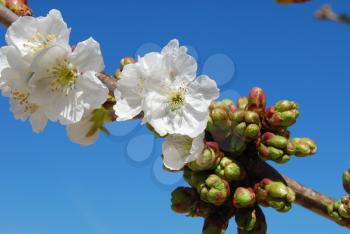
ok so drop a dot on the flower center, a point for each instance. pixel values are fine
(39, 42)
(176, 99)
(22, 99)
(64, 76)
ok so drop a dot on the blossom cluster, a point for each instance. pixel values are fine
(45, 78)
(48, 79)
(164, 89)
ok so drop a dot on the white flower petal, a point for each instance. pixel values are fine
(179, 150)
(77, 132)
(129, 92)
(38, 121)
(72, 111)
(30, 35)
(94, 92)
(87, 56)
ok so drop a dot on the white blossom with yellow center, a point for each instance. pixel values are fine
(30, 34)
(65, 83)
(172, 100)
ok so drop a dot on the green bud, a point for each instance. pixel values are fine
(275, 147)
(282, 115)
(304, 147)
(346, 181)
(244, 197)
(246, 125)
(257, 100)
(242, 103)
(340, 210)
(277, 190)
(274, 194)
(214, 190)
(229, 170)
(207, 161)
(276, 141)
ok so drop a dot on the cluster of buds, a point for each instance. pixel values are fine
(340, 210)
(279, 149)
(19, 7)
(274, 194)
(239, 135)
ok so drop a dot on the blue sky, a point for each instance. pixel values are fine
(51, 186)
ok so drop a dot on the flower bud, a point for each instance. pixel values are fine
(346, 181)
(275, 147)
(282, 115)
(219, 124)
(244, 197)
(246, 125)
(304, 147)
(214, 190)
(126, 60)
(183, 200)
(209, 159)
(229, 170)
(242, 103)
(340, 210)
(274, 194)
(256, 100)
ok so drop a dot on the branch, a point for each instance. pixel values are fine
(7, 17)
(305, 197)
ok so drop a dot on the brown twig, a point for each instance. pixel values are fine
(307, 198)
(7, 17)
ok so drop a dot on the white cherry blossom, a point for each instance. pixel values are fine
(164, 87)
(65, 83)
(179, 150)
(30, 34)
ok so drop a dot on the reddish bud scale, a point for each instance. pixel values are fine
(19, 7)
(256, 100)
